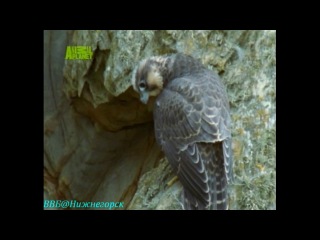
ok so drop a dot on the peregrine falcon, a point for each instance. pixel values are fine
(192, 125)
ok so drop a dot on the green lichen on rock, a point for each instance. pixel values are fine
(161, 196)
(251, 84)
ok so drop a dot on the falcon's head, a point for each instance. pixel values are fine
(148, 79)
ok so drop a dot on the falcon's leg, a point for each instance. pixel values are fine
(172, 181)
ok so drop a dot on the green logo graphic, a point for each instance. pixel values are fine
(78, 53)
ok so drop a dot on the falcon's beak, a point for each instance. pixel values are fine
(144, 97)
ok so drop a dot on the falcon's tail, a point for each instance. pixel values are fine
(218, 179)
(221, 189)
(218, 196)
(215, 198)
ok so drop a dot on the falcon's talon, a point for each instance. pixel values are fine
(172, 181)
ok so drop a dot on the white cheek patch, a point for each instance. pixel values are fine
(155, 92)
(133, 79)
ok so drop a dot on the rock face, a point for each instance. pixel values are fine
(99, 142)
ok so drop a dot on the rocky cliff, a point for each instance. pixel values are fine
(98, 138)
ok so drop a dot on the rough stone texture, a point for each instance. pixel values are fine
(98, 138)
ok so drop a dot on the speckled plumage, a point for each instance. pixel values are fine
(192, 125)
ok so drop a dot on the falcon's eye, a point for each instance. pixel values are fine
(142, 85)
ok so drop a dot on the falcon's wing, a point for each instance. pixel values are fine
(190, 112)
